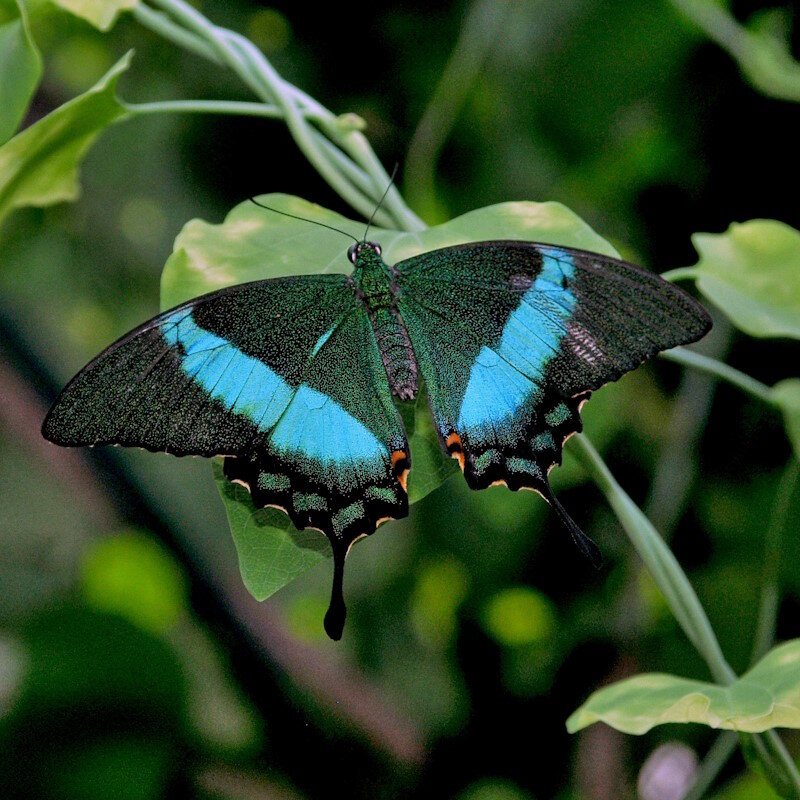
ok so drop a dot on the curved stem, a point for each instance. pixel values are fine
(663, 565)
(339, 153)
(770, 589)
(717, 757)
(691, 358)
(685, 605)
(205, 107)
(161, 24)
(680, 274)
(480, 29)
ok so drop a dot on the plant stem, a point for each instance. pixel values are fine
(663, 565)
(717, 757)
(481, 27)
(205, 107)
(680, 274)
(161, 24)
(691, 358)
(685, 605)
(339, 152)
(770, 589)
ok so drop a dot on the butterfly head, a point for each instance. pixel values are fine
(360, 250)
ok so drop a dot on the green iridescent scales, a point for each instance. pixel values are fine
(292, 380)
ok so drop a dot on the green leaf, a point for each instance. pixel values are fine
(767, 696)
(763, 49)
(254, 244)
(272, 552)
(20, 69)
(786, 395)
(750, 272)
(100, 13)
(39, 166)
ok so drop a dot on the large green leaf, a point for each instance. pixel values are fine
(100, 13)
(20, 67)
(39, 166)
(768, 696)
(252, 244)
(750, 272)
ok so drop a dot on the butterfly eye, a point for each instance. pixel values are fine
(377, 248)
(352, 252)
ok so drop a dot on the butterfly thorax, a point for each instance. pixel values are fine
(375, 288)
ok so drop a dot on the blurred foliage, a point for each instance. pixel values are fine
(623, 112)
(750, 272)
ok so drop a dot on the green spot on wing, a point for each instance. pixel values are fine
(557, 416)
(275, 482)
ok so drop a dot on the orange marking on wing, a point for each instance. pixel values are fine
(500, 482)
(455, 448)
(402, 478)
(383, 519)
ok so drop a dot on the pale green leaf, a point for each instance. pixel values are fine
(100, 13)
(20, 69)
(272, 552)
(768, 696)
(253, 243)
(39, 166)
(751, 273)
(786, 395)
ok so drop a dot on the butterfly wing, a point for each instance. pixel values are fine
(284, 378)
(511, 338)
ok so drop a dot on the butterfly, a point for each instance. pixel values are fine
(294, 380)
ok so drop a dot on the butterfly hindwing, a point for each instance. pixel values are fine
(284, 378)
(511, 337)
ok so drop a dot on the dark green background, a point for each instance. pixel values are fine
(621, 111)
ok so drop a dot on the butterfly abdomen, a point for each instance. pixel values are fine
(396, 352)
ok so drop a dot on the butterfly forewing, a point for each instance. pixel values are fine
(282, 377)
(511, 337)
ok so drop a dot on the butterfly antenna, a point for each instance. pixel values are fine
(303, 219)
(380, 202)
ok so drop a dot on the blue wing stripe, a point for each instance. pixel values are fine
(504, 378)
(302, 421)
(311, 415)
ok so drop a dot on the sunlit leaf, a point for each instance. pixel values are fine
(20, 68)
(786, 396)
(253, 244)
(768, 696)
(100, 13)
(39, 166)
(750, 272)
